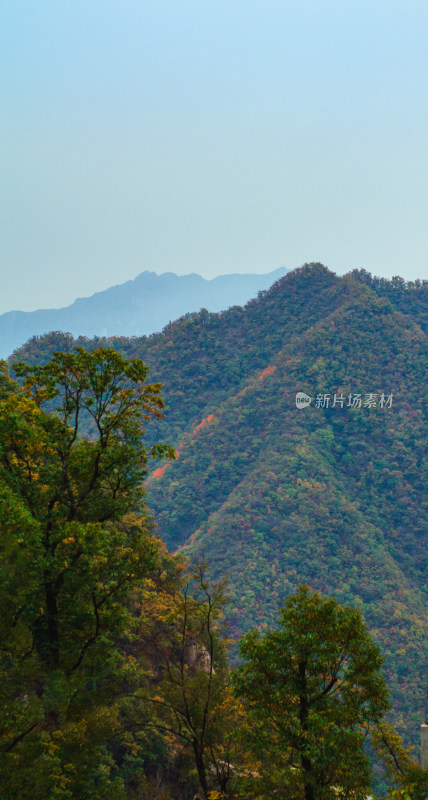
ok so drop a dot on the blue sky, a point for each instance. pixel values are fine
(209, 137)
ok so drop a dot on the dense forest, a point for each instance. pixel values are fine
(271, 496)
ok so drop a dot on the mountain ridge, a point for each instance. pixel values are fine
(274, 496)
(140, 306)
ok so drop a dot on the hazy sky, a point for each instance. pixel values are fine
(209, 137)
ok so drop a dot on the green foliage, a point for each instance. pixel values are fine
(71, 552)
(311, 688)
(273, 496)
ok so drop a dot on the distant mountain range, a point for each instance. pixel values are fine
(333, 494)
(135, 308)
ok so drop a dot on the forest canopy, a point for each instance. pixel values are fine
(271, 496)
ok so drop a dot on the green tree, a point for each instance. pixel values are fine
(75, 539)
(311, 688)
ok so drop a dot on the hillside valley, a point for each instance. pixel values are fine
(333, 494)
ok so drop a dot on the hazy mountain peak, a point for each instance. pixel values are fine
(137, 307)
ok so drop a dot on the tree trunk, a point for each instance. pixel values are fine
(200, 766)
(303, 717)
(45, 630)
(307, 768)
(52, 644)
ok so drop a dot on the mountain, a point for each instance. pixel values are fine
(135, 308)
(333, 494)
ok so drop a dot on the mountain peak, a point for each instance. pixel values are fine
(137, 307)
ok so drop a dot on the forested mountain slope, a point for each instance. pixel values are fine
(334, 494)
(136, 307)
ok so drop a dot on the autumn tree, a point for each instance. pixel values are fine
(191, 700)
(75, 539)
(401, 765)
(311, 688)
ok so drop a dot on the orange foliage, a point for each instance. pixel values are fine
(268, 371)
(204, 422)
(158, 472)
